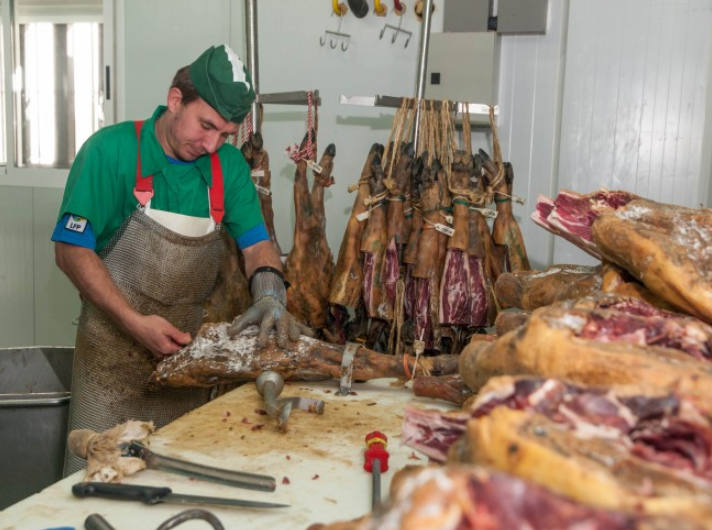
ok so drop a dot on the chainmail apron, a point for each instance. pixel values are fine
(159, 272)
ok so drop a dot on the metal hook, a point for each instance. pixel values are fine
(332, 44)
(322, 41)
(344, 48)
(380, 35)
(406, 42)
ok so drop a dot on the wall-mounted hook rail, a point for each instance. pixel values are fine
(336, 38)
(396, 31)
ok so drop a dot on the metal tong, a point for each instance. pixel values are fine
(269, 385)
(240, 479)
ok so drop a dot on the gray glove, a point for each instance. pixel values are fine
(269, 310)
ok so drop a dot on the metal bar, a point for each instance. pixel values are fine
(422, 66)
(34, 400)
(253, 57)
(476, 109)
(288, 98)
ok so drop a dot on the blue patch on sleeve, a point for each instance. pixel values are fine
(84, 238)
(253, 235)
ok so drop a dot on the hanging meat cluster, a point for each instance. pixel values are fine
(418, 260)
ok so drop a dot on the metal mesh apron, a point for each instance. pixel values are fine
(160, 272)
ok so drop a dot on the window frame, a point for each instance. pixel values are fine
(36, 177)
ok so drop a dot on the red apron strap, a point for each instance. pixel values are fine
(143, 191)
(217, 190)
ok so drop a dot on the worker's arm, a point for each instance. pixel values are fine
(262, 253)
(269, 295)
(89, 274)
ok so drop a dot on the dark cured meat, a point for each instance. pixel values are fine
(309, 266)
(347, 281)
(231, 296)
(213, 357)
(254, 152)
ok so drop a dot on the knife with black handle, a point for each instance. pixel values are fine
(155, 495)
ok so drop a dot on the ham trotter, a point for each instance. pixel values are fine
(346, 283)
(446, 387)
(213, 358)
(309, 265)
(258, 159)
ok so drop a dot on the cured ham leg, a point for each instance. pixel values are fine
(396, 224)
(505, 229)
(258, 159)
(446, 387)
(309, 265)
(213, 357)
(458, 497)
(373, 248)
(463, 290)
(571, 215)
(601, 342)
(347, 280)
(425, 272)
(667, 247)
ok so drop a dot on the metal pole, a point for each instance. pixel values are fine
(422, 66)
(252, 56)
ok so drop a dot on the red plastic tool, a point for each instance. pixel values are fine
(375, 462)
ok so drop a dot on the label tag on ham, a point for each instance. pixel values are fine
(443, 229)
(263, 190)
(363, 215)
(316, 168)
(449, 219)
(408, 211)
(487, 212)
(257, 173)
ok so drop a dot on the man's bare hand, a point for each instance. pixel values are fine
(158, 335)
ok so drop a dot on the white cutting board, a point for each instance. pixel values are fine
(320, 455)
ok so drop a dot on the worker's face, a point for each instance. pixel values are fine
(194, 129)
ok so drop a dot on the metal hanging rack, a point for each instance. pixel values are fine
(475, 109)
(276, 98)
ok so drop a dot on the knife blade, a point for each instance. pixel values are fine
(239, 479)
(155, 495)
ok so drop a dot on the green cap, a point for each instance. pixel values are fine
(223, 82)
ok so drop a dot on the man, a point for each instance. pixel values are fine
(139, 234)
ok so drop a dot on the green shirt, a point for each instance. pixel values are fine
(101, 181)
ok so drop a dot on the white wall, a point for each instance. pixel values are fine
(616, 94)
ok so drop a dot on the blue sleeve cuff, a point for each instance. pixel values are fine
(74, 230)
(253, 235)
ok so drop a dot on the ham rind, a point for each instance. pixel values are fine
(571, 215)
(446, 387)
(369, 265)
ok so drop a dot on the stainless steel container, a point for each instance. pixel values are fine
(35, 387)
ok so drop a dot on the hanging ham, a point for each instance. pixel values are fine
(309, 265)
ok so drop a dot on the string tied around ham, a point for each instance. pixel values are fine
(308, 152)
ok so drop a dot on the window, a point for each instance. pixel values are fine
(57, 82)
